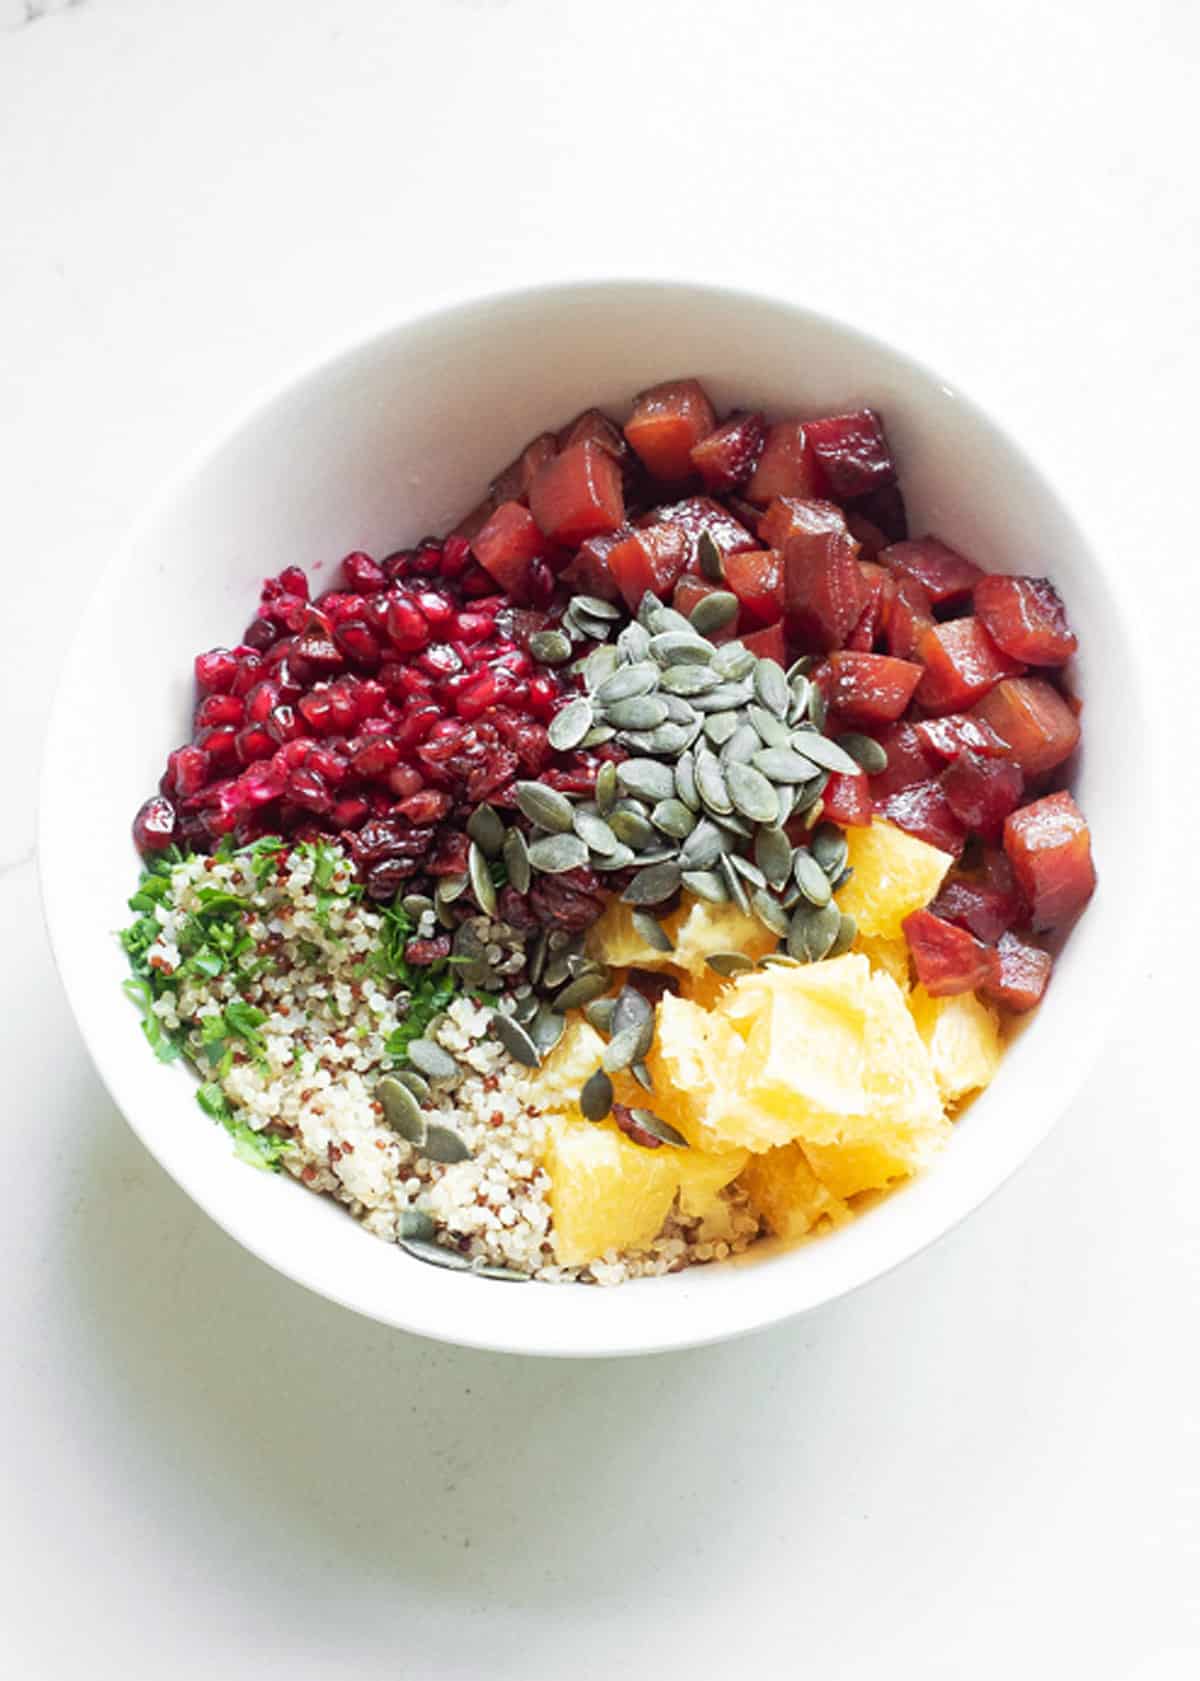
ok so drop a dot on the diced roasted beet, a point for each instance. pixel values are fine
(728, 456)
(870, 689)
(471, 524)
(871, 541)
(649, 559)
(961, 664)
(885, 508)
(987, 911)
(594, 427)
(1050, 849)
(767, 644)
(756, 577)
(947, 575)
(947, 737)
(700, 513)
(853, 452)
(577, 495)
(512, 485)
(1024, 973)
(589, 570)
(667, 423)
(787, 466)
(909, 761)
(1026, 617)
(906, 613)
(875, 584)
(981, 792)
(1033, 720)
(508, 545)
(822, 585)
(786, 516)
(947, 959)
(847, 800)
(923, 810)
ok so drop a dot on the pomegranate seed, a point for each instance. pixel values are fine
(476, 582)
(316, 708)
(472, 627)
(349, 814)
(362, 573)
(154, 825)
(396, 565)
(215, 671)
(427, 561)
(330, 766)
(220, 745)
(248, 671)
(253, 743)
(543, 697)
(437, 608)
(187, 771)
(293, 582)
(261, 702)
(372, 697)
(456, 552)
(320, 651)
(406, 624)
(307, 789)
(338, 607)
(514, 662)
(357, 641)
(424, 808)
(260, 633)
(403, 780)
(415, 726)
(215, 710)
(442, 660)
(283, 724)
(374, 754)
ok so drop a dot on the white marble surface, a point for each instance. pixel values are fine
(986, 1465)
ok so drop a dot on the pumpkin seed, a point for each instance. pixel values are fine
(622, 1049)
(550, 1025)
(813, 814)
(524, 1009)
(632, 828)
(818, 708)
(729, 963)
(670, 739)
(628, 682)
(707, 885)
(417, 1084)
(742, 745)
(618, 860)
(865, 751)
(680, 710)
(633, 1010)
(535, 961)
(584, 989)
(733, 884)
(550, 647)
(840, 881)
(720, 726)
(778, 960)
(710, 782)
(771, 687)
(748, 871)
(596, 1096)
(642, 1075)
(651, 931)
(770, 912)
(651, 886)
(680, 647)
(709, 558)
(633, 644)
(486, 830)
(733, 662)
(516, 860)
(595, 833)
(751, 793)
(642, 712)
(802, 666)
(703, 846)
(781, 764)
(663, 619)
(658, 1128)
(598, 735)
(813, 931)
(401, 1110)
(689, 679)
(505, 1275)
(434, 1255)
(568, 727)
(415, 1223)
(726, 697)
(554, 855)
(647, 778)
(685, 781)
(520, 1045)
(606, 787)
(599, 1013)
(773, 854)
(713, 612)
(432, 1061)
(544, 806)
(482, 885)
(772, 731)
(442, 1144)
(826, 754)
(674, 818)
(415, 905)
(597, 608)
(450, 888)
(599, 665)
(810, 878)
(801, 691)
(731, 824)
(828, 846)
(846, 935)
(648, 606)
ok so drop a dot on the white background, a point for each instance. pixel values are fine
(988, 1464)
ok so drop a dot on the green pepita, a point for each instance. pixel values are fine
(709, 558)
(516, 860)
(596, 1096)
(652, 885)
(482, 885)
(519, 1044)
(751, 793)
(546, 807)
(554, 855)
(674, 818)
(596, 834)
(810, 878)
(401, 1110)
(773, 854)
(431, 1060)
(713, 612)
(568, 727)
(606, 787)
(865, 751)
(647, 778)
(651, 931)
(550, 647)
(442, 1144)
(707, 885)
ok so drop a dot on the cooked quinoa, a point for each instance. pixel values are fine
(295, 1077)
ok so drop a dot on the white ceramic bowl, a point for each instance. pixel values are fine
(396, 437)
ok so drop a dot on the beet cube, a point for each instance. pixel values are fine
(947, 737)
(667, 423)
(767, 644)
(698, 514)
(594, 427)
(885, 508)
(847, 800)
(947, 575)
(507, 546)
(728, 456)
(906, 613)
(922, 809)
(787, 466)
(986, 910)
(512, 485)
(1024, 974)
(589, 570)
(1050, 849)
(1026, 618)
(981, 792)
(822, 585)
(876, 582)
(1033, 720)
(577, 495)
(909, 761)
(756, 577)
(650, 559)
(853, 452)
(947, 959)
(961, 664)
(870, 689)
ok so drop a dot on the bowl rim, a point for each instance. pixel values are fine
(758, 1311)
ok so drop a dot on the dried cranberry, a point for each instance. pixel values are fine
(421, 953)
(623, 1116)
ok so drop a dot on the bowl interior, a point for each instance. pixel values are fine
(395, 438)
